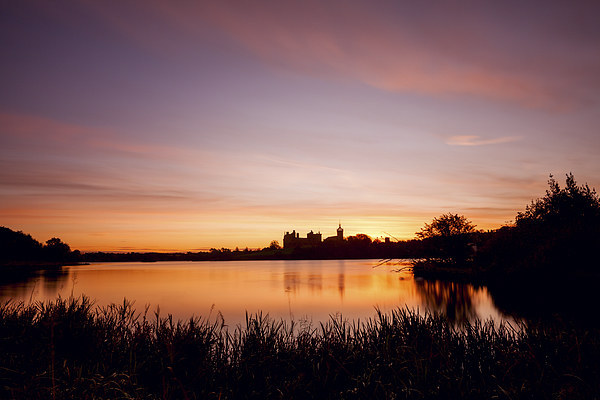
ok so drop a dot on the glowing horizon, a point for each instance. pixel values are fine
(153, 126)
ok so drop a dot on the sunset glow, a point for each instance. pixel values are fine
(298, 290)
(181, 126)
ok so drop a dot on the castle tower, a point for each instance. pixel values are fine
(340, 232)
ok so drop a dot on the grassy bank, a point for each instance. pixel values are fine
(71, 349)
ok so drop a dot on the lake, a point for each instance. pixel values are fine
(302, 290)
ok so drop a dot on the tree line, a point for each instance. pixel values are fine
(558, 231)
(16, 246)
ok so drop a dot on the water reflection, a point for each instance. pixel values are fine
(315, 283)
(55, 279)
(567, 299)
(27, 286)
(304, 289)
(291, 282)
(453, 299)
(342, 285)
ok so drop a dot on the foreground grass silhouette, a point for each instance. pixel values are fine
(71, 349)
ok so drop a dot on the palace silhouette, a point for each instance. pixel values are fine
(293, 239)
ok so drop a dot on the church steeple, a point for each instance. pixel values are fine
(340, 232)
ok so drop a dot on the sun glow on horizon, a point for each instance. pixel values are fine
(227, 124)
(175, 237)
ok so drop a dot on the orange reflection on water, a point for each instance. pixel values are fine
(300, 289)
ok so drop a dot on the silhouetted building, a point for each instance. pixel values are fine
(339, 237)
(294, 240)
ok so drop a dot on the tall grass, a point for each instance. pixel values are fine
(69, 348)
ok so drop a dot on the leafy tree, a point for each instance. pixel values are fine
(360, 238)
(220, 254)
(56, 250)
(557, 232)
(274, 245)
(18, 246)
(570, 205)
(358, 245)
(446, 225)
(447, 237)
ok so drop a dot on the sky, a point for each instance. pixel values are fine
(184, 125)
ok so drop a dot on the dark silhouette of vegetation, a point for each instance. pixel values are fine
(556, 235)
(68, 349)
(557, 232)
(20, 249)
(18, 246)
(222, 254)
(56, 250)
(445, 226)
(447, 246)
(359, 246)
(571, 206)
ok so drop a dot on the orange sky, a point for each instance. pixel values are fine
(180, 126)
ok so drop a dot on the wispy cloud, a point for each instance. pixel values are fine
(406, 49)
(35, 128)
(222, 123)
(473, 140)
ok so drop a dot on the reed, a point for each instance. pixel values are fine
(69, 349)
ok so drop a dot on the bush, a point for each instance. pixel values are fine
(557, 233)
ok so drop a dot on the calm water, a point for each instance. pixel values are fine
(299, 289)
